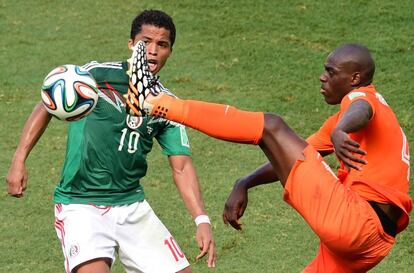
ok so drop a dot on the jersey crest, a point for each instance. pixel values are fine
(133, 122)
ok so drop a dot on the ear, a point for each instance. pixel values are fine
(130, 43)
(356, 79)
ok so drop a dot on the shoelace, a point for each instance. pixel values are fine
(154, 85)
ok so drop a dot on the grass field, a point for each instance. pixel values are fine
(258, 55)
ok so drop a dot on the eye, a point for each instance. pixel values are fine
(329, 71)
(163, 45)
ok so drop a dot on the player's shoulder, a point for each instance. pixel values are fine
(356, 94)
(105, 70)
(162, 88)
(103, 65)
(365, 92)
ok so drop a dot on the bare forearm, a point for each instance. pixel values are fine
(186, 180)
(264, 174)
(32, 131)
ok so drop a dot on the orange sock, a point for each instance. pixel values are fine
(217, 120)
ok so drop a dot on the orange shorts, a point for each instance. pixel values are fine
(351, 236)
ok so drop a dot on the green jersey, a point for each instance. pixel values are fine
(106, 150)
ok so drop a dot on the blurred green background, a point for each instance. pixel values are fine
(258, 55)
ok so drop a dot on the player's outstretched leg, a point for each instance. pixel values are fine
(277, 140)
(280, 144)
(217, 120)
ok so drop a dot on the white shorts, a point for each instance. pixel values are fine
(134, 231)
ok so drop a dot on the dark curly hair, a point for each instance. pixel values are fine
(156, 18)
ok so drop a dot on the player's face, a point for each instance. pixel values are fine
(158, 44)
(336, 80)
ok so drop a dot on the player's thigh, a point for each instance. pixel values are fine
(146, 245)
(282, 146)
(316, 193)
(84, 234)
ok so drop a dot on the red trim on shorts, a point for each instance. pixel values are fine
(60, 229)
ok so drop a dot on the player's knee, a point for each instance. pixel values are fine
(336, 240)
(273, 124)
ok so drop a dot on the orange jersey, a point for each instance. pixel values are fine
(352, 238)
(385, 179)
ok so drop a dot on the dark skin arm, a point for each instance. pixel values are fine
(237, 201)
(355, 118)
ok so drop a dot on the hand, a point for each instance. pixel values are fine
(17, 179)
(345, 148)
(206, 244)
(235, 205)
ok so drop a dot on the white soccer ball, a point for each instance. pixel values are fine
(69, 92)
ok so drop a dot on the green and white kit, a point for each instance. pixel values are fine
(107, 150)
(100, 207)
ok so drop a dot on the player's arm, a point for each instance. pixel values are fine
(186, 180)
(354, 119)
(33, 129)
(237, 201)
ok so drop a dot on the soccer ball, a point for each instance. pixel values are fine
(69, 92)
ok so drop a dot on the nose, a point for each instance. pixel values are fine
(152, 48)
(322, 77)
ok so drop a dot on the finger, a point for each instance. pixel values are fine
(24, 182)
(352, 142)
(352, 166)
(349, 164)
(235, 224)
(203, 251)
(211, 261)
(225, 221)
(16, 194)
(14, 189)
(241, 210)
(351, 157)
(354, 149)
(228, 214)
(358, 160)
(199, 242)
(230, 217)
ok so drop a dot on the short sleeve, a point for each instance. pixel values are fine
(173, 139)
(358, 95)
(321, 139)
